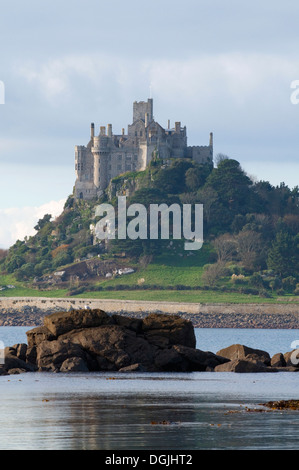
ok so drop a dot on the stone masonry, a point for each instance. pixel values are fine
(108, 155)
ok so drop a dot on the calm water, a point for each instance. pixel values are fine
(200, 410)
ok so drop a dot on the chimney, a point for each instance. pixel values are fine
(109, 130)
(92, 130)
(178, 127)
(211, 139)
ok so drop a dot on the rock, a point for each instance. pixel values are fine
(16, 370)
(238, 351)
(39, 334)
(168, 360)
(3, 371)
(61, 322)
(21, 350)
(13, 362)
(91, 340)
(134, 324)
(278, 360)
(31, 355)
(74, 364)
(292, 358)
(166, 330)
(197, 360)
(115, 346)
(51, 354)
(242, 365)
(133, 368)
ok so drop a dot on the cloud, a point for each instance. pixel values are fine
(231, 81)
(16, 223)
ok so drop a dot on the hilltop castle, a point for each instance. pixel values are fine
(108, 155)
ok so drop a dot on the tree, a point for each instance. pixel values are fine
(208, 197)
(213, 272)
(283, 257)
(225, 246)
(249, 246)
(196, 176)
(42, 222)
(171, 178)
(233, 188)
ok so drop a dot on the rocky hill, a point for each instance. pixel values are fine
(251, 239)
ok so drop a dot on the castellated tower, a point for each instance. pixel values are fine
(108, 155)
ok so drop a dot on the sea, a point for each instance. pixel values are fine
(176, 412)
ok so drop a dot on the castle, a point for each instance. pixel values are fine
(108, 155)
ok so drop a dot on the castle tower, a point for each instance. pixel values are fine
(141, 108)
(108, 155)
(96, 161)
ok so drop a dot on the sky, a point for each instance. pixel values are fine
(221, 67)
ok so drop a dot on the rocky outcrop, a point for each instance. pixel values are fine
(239, 351)
(91, 340)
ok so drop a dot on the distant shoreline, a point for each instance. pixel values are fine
(30, 311)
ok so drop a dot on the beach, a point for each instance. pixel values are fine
(30, 311)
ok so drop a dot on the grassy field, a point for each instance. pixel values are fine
(173, 269)
(168, 270)
(21, 290)
(185, 296)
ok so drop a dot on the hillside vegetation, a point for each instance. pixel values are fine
(250, 250)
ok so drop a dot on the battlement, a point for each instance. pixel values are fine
(108, 155)
(143, 110)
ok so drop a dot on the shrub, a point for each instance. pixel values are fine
(264, 293)
(213, 272)
(289, 283)
(238, 278)
(280, 292)
(257, 280)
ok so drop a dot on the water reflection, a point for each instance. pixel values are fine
(195, 411)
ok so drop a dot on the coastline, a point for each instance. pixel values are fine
(30, 311)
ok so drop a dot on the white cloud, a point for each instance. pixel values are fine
(16, 223)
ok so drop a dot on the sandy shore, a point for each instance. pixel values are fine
(17, 311)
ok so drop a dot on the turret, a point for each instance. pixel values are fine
(177, 127)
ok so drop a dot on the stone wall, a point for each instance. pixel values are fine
(31, 311)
